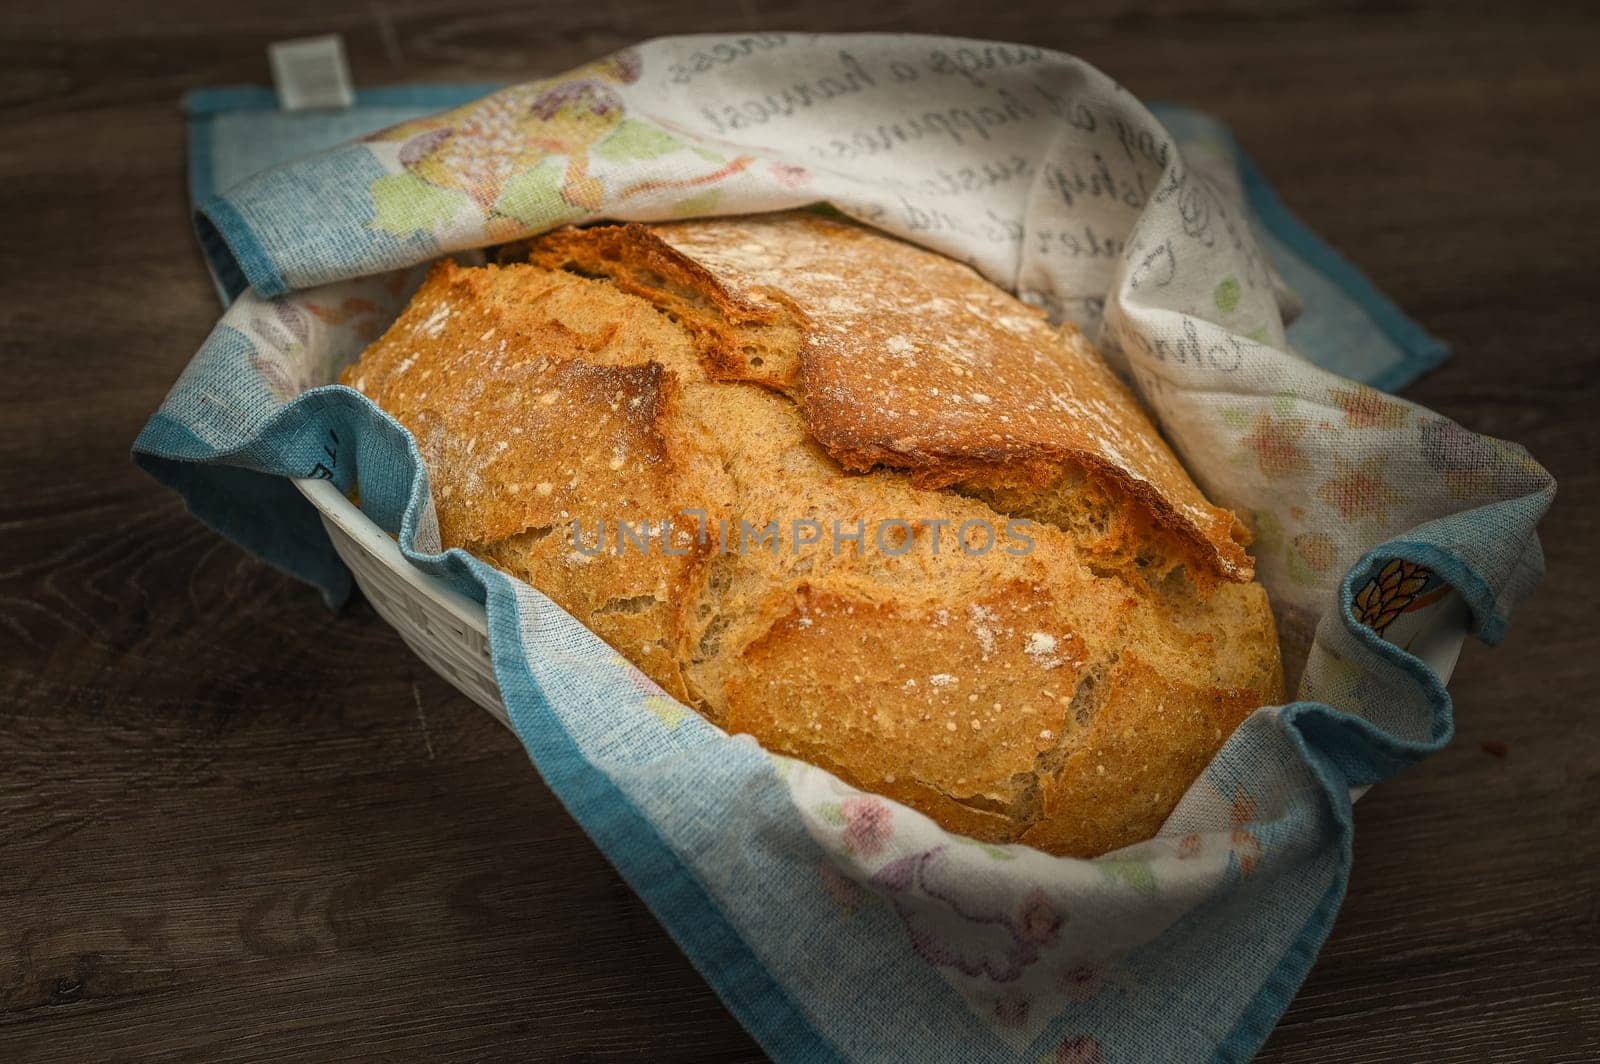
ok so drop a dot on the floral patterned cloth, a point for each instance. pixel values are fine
(836, 924)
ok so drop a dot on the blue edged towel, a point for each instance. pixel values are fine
(1347, 326)
(836, 924)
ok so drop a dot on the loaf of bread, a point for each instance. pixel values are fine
(843, 494)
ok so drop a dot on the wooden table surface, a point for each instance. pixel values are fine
(234, 825)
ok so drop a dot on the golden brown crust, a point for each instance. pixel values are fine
(1064, 696)
(914, 361)
(528, 405)
(733, 329)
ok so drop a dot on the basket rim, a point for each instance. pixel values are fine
(336, 508)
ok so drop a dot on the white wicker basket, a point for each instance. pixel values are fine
(451, 633)
(448, 631)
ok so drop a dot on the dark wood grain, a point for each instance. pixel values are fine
(235, 826)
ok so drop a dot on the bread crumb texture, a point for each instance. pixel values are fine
(670, 382)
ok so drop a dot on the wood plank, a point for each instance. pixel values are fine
(236, 826)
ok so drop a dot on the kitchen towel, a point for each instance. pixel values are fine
(836, 924)
(1346, 325)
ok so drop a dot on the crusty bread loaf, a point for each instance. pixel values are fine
(791, 368)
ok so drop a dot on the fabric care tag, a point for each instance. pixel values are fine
(311, 73)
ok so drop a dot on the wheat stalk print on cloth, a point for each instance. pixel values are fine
(837, 923)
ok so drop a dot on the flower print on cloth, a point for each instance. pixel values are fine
(360, 314)
(1275, 443)
(667, 709)
(867, 820)
(1243, 845)
(868, 824)
(1314, 554)
(1367, 408)
(1359, 491)
(525, 157)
